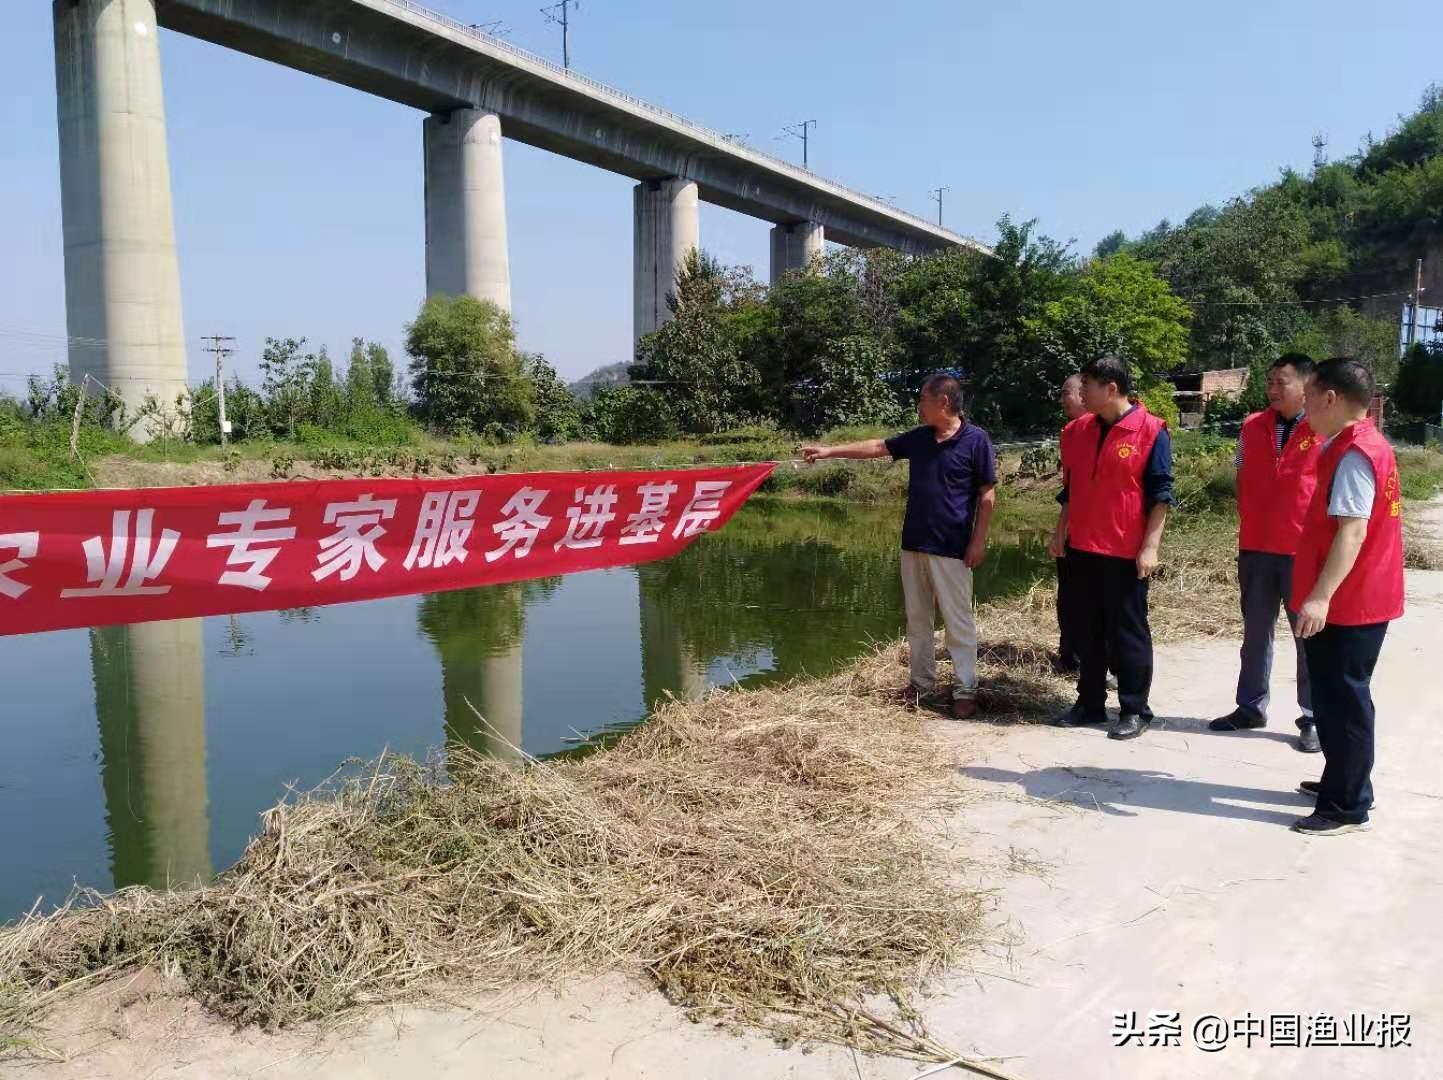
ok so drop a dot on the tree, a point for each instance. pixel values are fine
(1418, 391)
(701, 358)
(465, 371)
(1337, 330)
(1009, 386)
(937, 315)
(326, 404)
(360, 379)
(1110, 244)
(1239, 268)
(285, 369)
(558, 413)
(389, 389)
(626, 414)
(1117, 305)
(847, 388)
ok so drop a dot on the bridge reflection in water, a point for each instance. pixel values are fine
(150, 705)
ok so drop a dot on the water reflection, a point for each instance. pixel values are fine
(150, 705)
(478, 634)
(670, 663)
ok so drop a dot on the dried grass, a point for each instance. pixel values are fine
(758, 855)
(1421, 550)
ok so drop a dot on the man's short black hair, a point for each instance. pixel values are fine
(1349, 378)
(1302, 363)
(947, 388)
(1110, 369)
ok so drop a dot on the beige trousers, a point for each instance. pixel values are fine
(930, 582)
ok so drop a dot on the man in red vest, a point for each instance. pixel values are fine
(1347, 587)
(1117, 486)
(1067, 662)
(1276, 461)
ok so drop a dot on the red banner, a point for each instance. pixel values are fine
(94, 558)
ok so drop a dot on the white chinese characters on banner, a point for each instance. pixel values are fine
(104, 568)
(447, 518)
(521, 525)
(645, 526)
(358, 527)
(23, 546)
(703, 510)
(592, 511)
(252, 559)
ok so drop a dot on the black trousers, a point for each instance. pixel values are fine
(1066, 647)
(1107, 613)
(1340, 667)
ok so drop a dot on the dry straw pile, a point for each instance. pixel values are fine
(763, 856)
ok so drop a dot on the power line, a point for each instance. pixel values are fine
(564, 21)
(1286, 303)
(494, 28)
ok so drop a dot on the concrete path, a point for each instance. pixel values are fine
(1175, 887)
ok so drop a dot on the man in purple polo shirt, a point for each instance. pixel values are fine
(951, 493)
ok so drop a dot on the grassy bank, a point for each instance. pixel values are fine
(758, 856)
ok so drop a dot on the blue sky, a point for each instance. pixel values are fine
(298, 202)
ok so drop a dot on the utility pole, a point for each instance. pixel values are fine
(937, 198)
(221, 347)
(1417, 299)
(799, 131)
(564, 21)
(1320, 150)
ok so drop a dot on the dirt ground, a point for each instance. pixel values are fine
(1156, 876)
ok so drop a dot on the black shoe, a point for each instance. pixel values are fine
(1129, 726)
(1314, 825)
(1077, 717)
(1238, 720)
(1308, 739)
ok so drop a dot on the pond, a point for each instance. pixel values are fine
(144, 754)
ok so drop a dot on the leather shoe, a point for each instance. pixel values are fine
(1129, 726)
(964, 708)
(1076, 717)
(1308, 739)
(1238, 720)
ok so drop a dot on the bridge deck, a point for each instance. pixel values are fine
(401, 51)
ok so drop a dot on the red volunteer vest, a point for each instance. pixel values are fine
(1373, 591)
(1106, 514)
(1274, 489)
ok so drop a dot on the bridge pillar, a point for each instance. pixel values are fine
(122, 278)
(150, 704)
(666, 229)
(794, 247)
(466, 207)
(668, 664)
